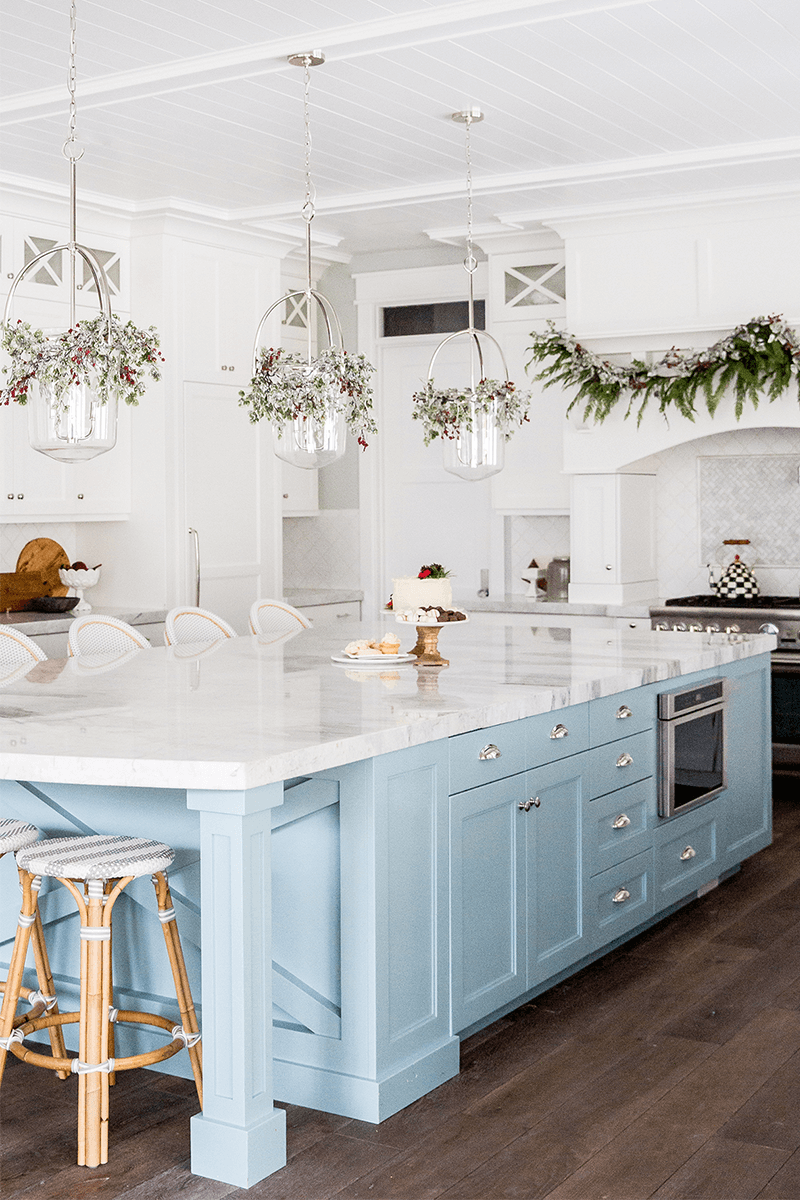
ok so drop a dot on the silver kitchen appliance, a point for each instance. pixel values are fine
(691, 746)
(779, 615)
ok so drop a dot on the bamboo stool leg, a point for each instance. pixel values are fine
(27, 918)
(92, 1084)
(112, 1075)
(166, 915)
(46, 985)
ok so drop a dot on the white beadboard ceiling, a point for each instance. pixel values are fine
(190, 105)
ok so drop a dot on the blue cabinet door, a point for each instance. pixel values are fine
(748, 797)
(554, 860)
(487, 898)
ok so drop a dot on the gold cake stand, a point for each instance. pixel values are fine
(426, 649)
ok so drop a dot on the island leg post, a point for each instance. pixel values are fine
(239, 1138)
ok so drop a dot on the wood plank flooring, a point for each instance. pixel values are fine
(670, 1070)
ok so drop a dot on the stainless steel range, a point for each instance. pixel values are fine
(761, 614)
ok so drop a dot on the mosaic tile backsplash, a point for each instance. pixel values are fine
(751, 497)
(322, 551)
(13, 538)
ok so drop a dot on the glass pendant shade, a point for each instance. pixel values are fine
(478, 450)
(73, 427)
(310, 443)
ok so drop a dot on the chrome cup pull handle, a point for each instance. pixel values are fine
(559, 731)
(527, 805)
(621, 821)
(621, 896)
(688, 853)
(624, 759)
(622, 712)
(490, 751)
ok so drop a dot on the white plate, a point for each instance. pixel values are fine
(430, 624)
(373, 660)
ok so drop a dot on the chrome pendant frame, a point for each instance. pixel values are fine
(70, 446)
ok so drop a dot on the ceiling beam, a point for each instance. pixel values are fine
(468, 18)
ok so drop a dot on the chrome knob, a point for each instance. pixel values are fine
(624, 759)
(712, 628)
(679, 627)
(623, 712)
(559, 731)
(490, 751)
(621, 821)
(621, 896)
(695, 629)
(661, 625)
(732, 629)
(768, 627)
(527, 805)
(688, 853)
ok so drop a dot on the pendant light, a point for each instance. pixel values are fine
(474, 421)
(75, 422)
(310, 399)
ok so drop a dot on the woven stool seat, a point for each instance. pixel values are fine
(15, 834)
(95, 857)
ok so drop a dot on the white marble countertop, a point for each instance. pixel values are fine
(39, 622)
(300, 597)
(526, 604)
(239, 713)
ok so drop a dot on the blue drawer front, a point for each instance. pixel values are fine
(687, 852)
(468, 769)
(621, 763)
(622, 714)
(619, 825)
(557, 734)
(619, 899)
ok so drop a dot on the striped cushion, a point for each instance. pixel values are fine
(16, 834)
(95, 857)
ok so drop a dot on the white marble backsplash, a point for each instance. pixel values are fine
(322, 551)
(13, 538)
(541, 538)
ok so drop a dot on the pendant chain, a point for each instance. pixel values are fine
(72, 75)
(470, 262)
(308, 205)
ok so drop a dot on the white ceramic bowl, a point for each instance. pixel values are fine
(79, 579)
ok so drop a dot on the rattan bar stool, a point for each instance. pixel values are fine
(95, 870)
(15, 835)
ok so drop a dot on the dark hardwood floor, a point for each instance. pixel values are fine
(671, 1070)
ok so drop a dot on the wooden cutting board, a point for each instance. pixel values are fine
(44, 556)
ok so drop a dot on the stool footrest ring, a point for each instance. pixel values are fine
(180, 1040)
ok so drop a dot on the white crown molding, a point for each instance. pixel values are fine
(424, 25)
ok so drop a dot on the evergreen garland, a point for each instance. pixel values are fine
(758, 358)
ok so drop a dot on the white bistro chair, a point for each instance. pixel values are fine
(17, 648)
(276, 617)
(96, 634)
(186, 624)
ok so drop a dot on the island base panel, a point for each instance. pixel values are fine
(240, 1157)
(372, 1100)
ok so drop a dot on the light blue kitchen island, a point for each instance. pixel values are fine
(371, 861)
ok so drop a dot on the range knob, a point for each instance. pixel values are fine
(768, 627)
(679, 627)
(732, 629)
(712, 629)
(662, 625)
(695, 629)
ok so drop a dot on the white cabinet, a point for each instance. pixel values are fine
(223, 298)
(532, 480)
(227, 471)
(300, 490)
(35, 487)
(612, 536)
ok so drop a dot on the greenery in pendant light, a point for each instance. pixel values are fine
(111, 357)
(443, 411)
(286, 386)
(758, 358)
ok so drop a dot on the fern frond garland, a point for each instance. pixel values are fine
(757, 358)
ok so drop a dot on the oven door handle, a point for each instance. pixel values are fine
(787, 661)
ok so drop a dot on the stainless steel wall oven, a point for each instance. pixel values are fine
(691, 747)
(760, 614)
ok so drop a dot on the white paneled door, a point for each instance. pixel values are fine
(228, 484)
